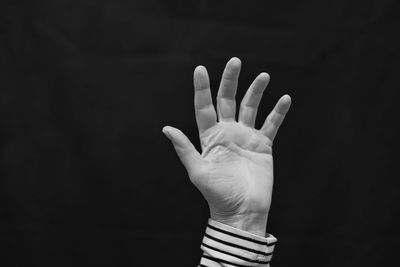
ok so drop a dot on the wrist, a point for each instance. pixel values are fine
(255, 223)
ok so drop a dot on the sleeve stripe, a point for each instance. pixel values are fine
(224, 261)
(240, 252)
(236, 246)
(237, 256)
(227, 246)
(211, 263)
(241, 237)
(236, 240)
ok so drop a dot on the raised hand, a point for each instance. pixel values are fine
(234, 172)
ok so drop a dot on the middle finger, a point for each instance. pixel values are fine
(226, 103)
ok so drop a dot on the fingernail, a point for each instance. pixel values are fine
(166, 133)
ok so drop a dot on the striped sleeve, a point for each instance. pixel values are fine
(226, 246)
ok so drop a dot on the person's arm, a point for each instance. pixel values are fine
(234, 172)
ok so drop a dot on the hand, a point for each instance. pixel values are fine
(235, 170)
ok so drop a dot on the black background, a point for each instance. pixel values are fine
(87, 177)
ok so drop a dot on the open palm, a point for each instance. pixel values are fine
(234, 172)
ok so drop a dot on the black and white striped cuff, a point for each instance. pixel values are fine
(224, 245)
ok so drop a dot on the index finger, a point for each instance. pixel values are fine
(276, 117)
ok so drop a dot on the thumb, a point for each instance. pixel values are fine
(187, 153)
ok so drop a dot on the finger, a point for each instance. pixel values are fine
(226, 103)
(187, 153)
(204, 109)
(252, 98)
(275, 118)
